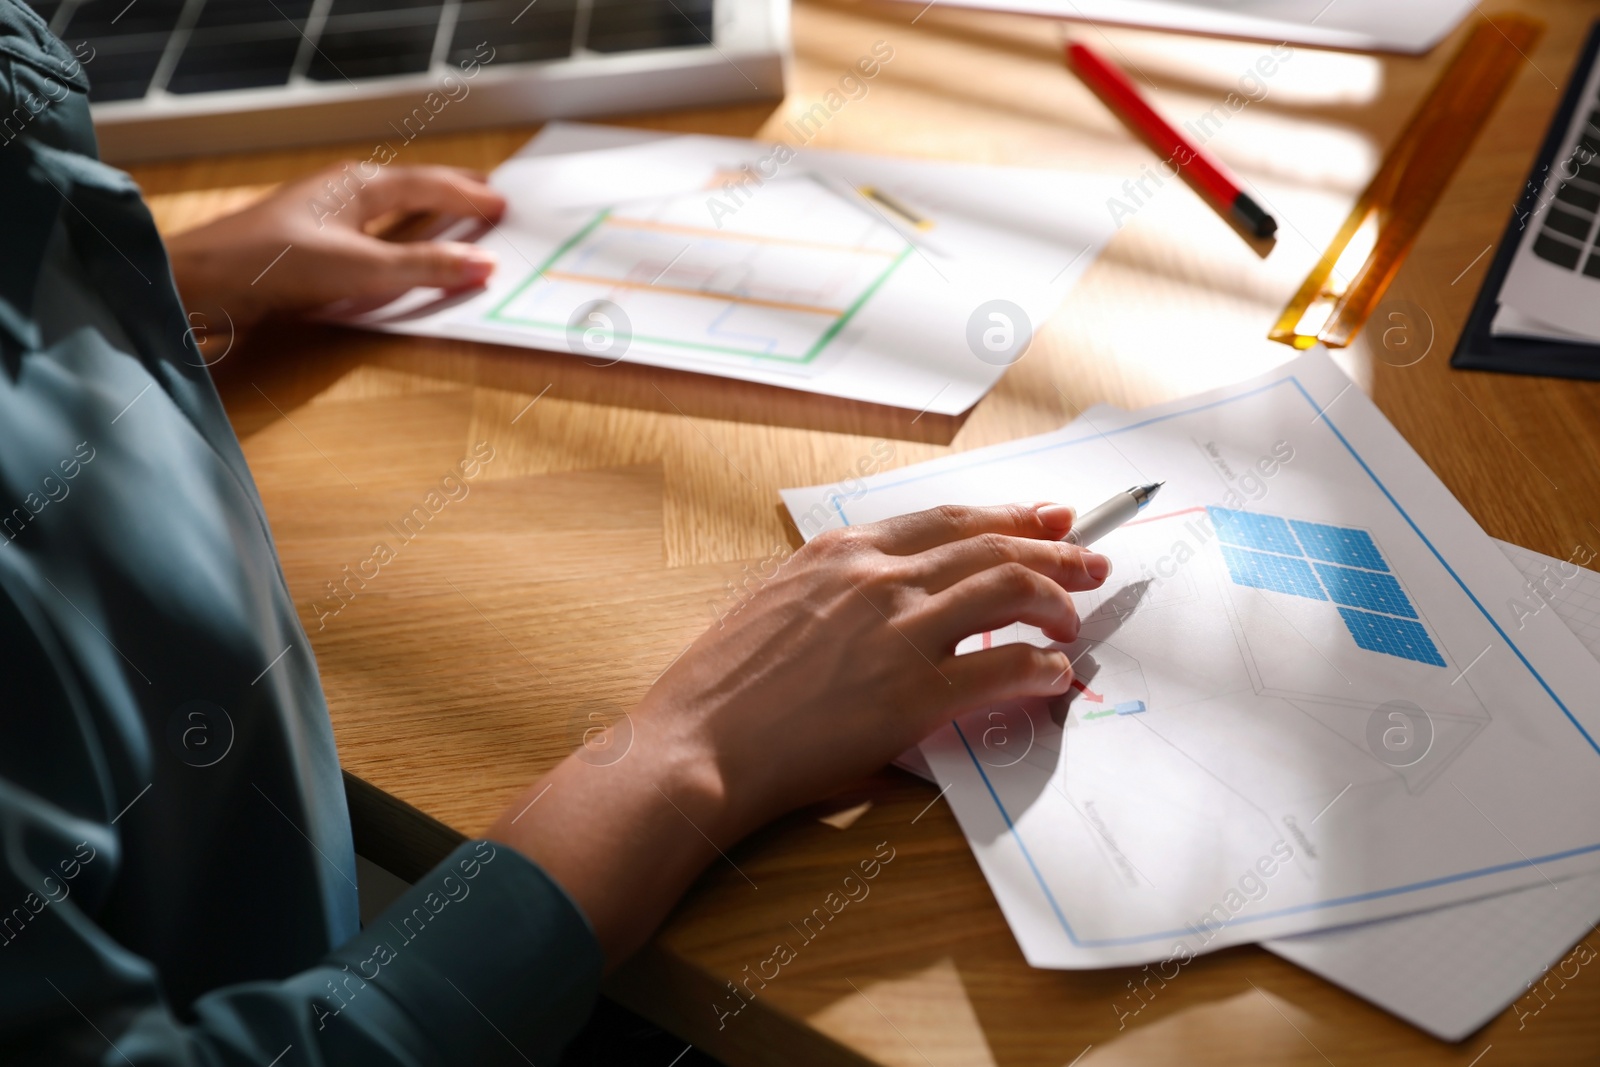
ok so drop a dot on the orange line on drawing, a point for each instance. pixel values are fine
(1158, 518)
(756, 238)
(703, 294)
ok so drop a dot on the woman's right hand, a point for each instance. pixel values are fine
(846, 658)
(842, 661)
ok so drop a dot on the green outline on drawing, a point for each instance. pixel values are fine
(816, 349)
(566, 246)
(833, 331)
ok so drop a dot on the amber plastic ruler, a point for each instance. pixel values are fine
(1344, 287)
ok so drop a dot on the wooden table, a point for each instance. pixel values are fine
(618, 505)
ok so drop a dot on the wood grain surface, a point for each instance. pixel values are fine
(620, 502)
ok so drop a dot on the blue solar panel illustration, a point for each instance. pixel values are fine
(1336, 544)
(1265, 532)
(1281, 574)
(1364, 589)
(1267, 552)
(1393, 637)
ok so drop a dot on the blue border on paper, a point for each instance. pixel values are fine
(1337, 902)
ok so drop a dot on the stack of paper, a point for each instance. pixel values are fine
(1313, 694)
(1552, 291)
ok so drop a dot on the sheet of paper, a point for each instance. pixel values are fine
(1555, 277)
(1509, 322)
(1309, 698)
(896, 282)
(1364, 25)
(1452, 969)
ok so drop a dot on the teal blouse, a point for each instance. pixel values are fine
(177, 883)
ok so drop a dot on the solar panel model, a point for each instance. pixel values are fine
(1333, 563)
(180, 77)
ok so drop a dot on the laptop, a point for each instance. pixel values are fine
(181, 77)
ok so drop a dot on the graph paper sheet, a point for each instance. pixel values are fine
(1341, 718)
(855, 276)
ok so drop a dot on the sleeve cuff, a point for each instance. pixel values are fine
(486, 954)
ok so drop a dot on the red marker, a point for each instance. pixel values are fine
(1204, 174)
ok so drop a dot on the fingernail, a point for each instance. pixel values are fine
(477, 265)
(1097, 565)
(1056, 516)
(1064, 679)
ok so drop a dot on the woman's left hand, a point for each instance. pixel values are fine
(307, 245)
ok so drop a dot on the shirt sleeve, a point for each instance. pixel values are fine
(484, 961)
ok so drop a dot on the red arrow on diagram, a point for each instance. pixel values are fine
(1088, 694)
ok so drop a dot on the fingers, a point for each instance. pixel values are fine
(1073, 568)
(1010, 672)
(443, 190)
(998, 597)
(437, 264)
(909, 534)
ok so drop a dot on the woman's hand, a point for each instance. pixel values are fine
(847, 657)
(307, 245)
(842, 661)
